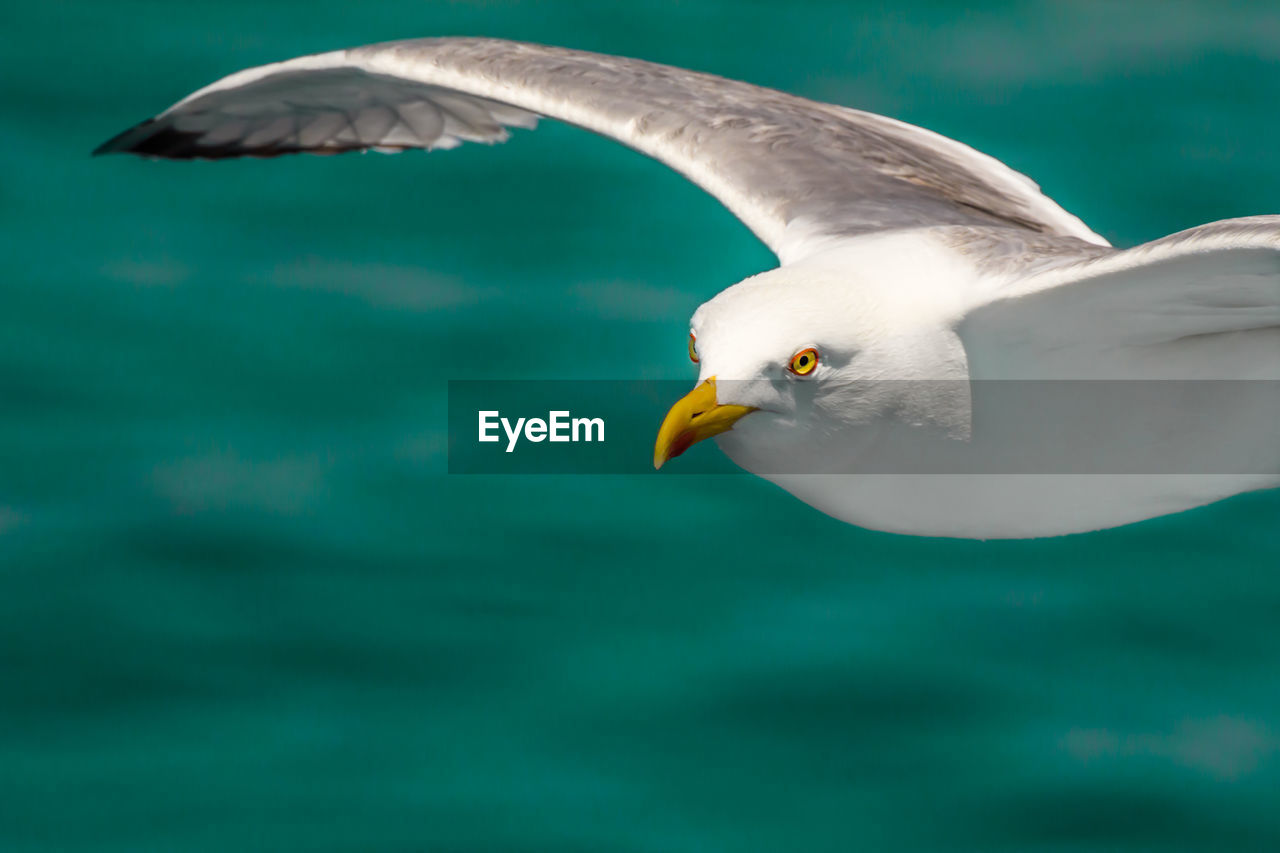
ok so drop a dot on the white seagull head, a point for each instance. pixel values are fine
(822, 355)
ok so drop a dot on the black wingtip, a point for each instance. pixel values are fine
(123, 143)
(158, 138)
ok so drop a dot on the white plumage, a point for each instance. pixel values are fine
(942, 293)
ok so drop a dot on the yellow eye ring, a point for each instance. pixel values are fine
(693, 348)
(804, 362)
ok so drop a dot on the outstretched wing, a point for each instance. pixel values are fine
(794, 171)
(1200, 304)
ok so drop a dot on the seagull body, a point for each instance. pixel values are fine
(943, 350)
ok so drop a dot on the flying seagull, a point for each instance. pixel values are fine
(942, 350)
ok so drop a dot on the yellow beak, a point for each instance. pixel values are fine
(697, 415)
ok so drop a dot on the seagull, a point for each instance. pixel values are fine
(942, 349)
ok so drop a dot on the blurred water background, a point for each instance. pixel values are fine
(242, 607)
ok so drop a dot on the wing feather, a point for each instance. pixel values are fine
(795, 171)
(1200, 304)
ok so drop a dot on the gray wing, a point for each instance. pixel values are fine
(1184, 334)
(794, 171)
(1200, 304)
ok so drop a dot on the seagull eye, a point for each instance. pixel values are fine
(693, 348)
(803, 362)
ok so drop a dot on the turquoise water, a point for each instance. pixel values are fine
(242, 607)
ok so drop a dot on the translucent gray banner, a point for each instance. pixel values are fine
(887, 427)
